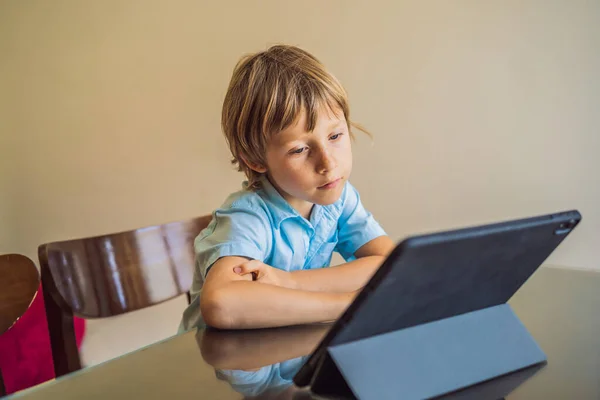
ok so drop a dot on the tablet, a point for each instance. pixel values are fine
(440, 275)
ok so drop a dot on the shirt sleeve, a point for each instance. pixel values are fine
(253, 383)
(241, 232)
(356, 226)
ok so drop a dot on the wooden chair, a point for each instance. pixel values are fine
(113, 274)
(19, 282)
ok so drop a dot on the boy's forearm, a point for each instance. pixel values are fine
(342, 278)
(247, 305)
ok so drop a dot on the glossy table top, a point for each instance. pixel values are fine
(560, 308)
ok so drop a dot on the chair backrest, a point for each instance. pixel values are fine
(113, 274)
(117, 273)
(19, 282)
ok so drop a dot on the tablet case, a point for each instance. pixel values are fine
(432, 359)
(440, 337)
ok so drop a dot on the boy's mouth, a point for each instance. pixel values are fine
(331, 184)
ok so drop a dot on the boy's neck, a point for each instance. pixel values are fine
(306, 213)
(303, 207)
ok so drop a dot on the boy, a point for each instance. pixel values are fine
(264, 259)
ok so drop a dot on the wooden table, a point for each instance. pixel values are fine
(561, 309)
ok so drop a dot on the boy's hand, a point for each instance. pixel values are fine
(264, 273)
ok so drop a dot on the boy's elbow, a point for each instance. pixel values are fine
(215, 311)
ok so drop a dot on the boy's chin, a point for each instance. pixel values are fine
(327, 199)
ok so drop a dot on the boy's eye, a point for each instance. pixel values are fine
(298, 151)
(336, 136)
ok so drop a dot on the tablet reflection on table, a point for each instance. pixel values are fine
(497, 388)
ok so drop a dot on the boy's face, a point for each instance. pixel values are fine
(311, 167)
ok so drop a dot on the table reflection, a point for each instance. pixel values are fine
(261, 363)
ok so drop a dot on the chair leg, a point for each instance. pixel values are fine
(2, 388)
(65, 354)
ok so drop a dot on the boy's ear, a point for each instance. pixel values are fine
(254, 166)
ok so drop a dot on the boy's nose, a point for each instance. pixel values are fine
(326, 163)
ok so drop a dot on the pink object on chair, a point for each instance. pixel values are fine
(25, 355)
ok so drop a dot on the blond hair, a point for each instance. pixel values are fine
(267, 93)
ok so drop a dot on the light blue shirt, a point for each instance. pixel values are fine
(271, 379)
(261, 225)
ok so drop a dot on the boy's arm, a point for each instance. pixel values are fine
(347, 277)
(233, 301)
(350, 276)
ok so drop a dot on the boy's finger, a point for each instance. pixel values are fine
(247, 267)
(242, 270)
(252, 265)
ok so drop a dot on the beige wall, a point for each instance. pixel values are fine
(6, 210)
(482, 110)
(8, 240)
(6, 206)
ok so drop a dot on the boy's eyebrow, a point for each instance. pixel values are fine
(285, 139)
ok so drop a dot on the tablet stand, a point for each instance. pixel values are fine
(431, 359)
